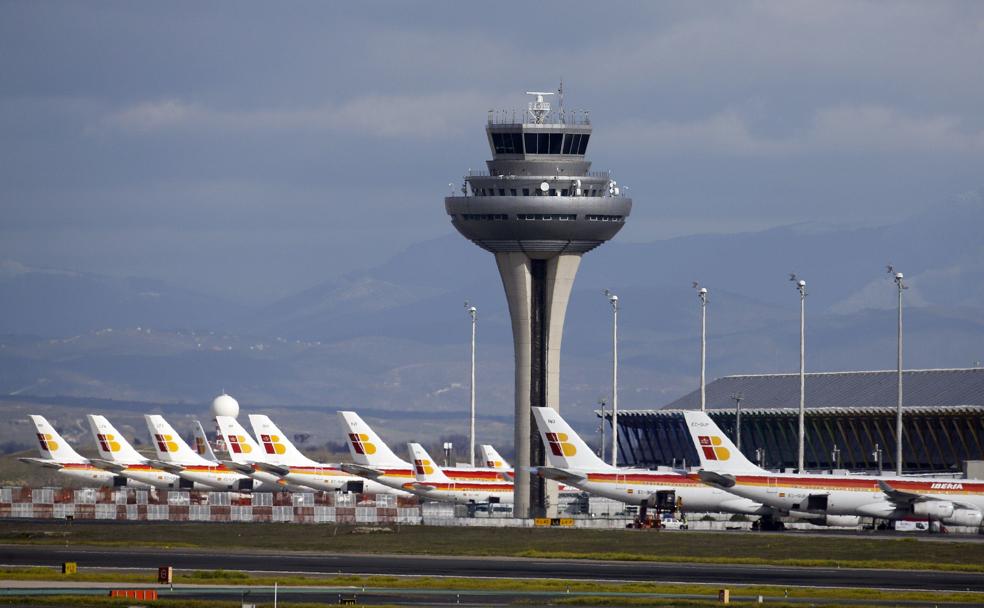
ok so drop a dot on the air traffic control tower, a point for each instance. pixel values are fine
(538, 209)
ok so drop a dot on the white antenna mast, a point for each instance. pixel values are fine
(560, 94)
(539, 109)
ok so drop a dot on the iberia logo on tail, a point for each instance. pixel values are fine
(238, 445)
(200, 445)
(361, 443)
(272, 445)
(559, 446)
(108, 442)
(711, 446)
(493, 464)
(47, 442)
(423, 466)
(166, 443)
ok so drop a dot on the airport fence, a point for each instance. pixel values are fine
(127, 504)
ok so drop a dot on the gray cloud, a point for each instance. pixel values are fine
(229, 145)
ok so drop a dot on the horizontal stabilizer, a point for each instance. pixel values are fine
(275, 469)
(44, 462)
(239, 467)
(360, 470)
(170, 467)
(558, 474)
(108, 465)
(719, 480)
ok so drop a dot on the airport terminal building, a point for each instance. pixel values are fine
(850, 421)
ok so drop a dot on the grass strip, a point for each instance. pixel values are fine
(862, 550)
(757, 561)
(90, 601)
(382, 583)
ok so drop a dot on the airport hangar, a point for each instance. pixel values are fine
(850, 416)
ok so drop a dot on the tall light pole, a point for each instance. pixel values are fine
(898, 407)
(613, 299)
(738, 398)
(601, 447)
(473, 313)
(801, 287)
(702, 296)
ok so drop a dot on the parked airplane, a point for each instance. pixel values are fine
(175, 456)
(376, 461)
(202, 447)
(290, 463)
(492, 460)
(571, 461)
(247, 457)
(957, 502)
(117, 456)
(58, 455)
(433, 484)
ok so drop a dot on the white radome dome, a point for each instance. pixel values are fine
(224, 405)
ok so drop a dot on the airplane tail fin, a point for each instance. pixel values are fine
(275, 443)
(169, 444)
(112, 445)
(202, 447)
(426, 469)
(242, 448)
(492, 460)
(564, 448)
(365, 445)
(716, 451)
(51, 445)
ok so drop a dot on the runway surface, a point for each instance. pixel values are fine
(497, 567)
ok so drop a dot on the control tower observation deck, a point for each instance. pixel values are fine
(538, 208)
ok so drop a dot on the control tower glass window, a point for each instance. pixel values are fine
(583, 144)
(507, 143)
(556, 140)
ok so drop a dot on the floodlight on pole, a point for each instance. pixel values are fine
(613, 300)
(702, 296)
(898, 277)
(473, 313)
(801, 287)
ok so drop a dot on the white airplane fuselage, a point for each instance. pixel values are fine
(693, 496)
(332, 479)
(862, 495)
(218, 477)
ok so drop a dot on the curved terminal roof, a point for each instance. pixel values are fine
(923, 388)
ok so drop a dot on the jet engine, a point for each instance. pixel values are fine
(837, 521)
(933, 509)
(964, 517)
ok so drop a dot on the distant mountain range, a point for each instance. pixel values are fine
(395, 337)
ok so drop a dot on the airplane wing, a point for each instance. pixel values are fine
(170, 467)
(276, 469)
(903, 498)
(718, 480)
(48, 464)
(360, 470)
(108, 465)
(558, 474)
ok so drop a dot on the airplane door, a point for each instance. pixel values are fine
(665, 500)
(354, 486)
(773, 485)
(816, 502)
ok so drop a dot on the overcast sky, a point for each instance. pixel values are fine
(255, 149)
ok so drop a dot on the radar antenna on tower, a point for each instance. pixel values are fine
(539, 109)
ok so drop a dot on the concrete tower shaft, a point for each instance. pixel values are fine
(538, 208)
